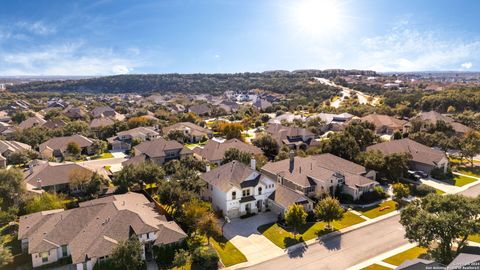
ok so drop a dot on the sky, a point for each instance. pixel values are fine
(107, 37)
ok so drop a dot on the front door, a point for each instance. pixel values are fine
(248, 208)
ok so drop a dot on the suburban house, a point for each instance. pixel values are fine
(75, 112)
(228, 106)
(293, 137)
(200, 109)
(89, 234)
(195, 133)
(432, 117)
(55, 177)
(32, 121)
(57, 146)
(54, 124)
(123, 140)
(106, 111)
(214, 151)
(9, 147)
(321, 175)
(158, 151)
(424, 158)
(384, 124)
(261, 104)
(333, 122)
(101, 122)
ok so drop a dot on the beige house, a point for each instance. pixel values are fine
(158, 151)
(57, 146)
(424, 158)
(89, 234)
(384, 124)
(432, 117)
(194, 132)
(321, 175)
(123, 140)
(293, 137)
(214, 151)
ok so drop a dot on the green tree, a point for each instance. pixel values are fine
(362, 131)
(208, 226)
(400, 191)
(193, 211)
(99, 147)
(128, 254)
(372, 160)
(470, 146)
(5, 256)
(295, 216)
(232, 131)
(268, 145)
(12, 188)
(235, 154)
(343, 145)
(178, 135)
(73, 149)
(440, 223)
(396, 165)
(181, 258)
(329, 210)
(43, 202)
(76, 127)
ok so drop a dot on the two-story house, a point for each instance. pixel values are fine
(158, 151)
(123, 140)
(193, 132)
(293, 137)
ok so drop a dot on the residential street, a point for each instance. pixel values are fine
(347, 250)
(343, 251)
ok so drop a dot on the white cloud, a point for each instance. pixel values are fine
(405, 49)
(466, 65)
(38, 27)
(66, 59)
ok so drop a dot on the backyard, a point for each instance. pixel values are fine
(284, 237)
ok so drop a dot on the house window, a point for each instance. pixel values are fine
(234, 195)
(259, 190)
(245, 192)
(44, 256)
(85, 266)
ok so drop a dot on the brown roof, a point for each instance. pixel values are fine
(380, 120)
(195, 130)
(139, 131)
(229, 175)
(31, 121)
(282, 133)
(96, 227)
(157, 147)
(53, 173)
(200, 109)
(54, 124)
(319, 167)
(420, 153)
(61, 143)
(214, 151)
(433, 117)
(285, 197)
(101, 122)
(13, 146)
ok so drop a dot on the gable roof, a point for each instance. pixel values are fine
(200, 109)
(381, 120)
(54, 124)
(13, 146)
(194, 129)
(433, 117)
(31, 121)
(138, 131)
(214, 150)
(53, 173)
(229, 175)
(282, 133)
(61, 143)
(320, 167)
(285, 197)
(97, 226)
(101, 122)
(420, 153)
(156, 148)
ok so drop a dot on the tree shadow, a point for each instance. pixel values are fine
(334, 242)
(298, 251)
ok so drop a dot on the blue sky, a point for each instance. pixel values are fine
(114, 37)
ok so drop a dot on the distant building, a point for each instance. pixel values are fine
(123, 140)
(293, 137)
(158, 151)
(57, 146)
(194, 132)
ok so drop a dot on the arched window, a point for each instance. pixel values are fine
(234, 195)
(259, 190)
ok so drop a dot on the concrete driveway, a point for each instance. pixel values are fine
(244, 235)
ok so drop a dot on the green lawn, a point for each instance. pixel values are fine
(472, 171)
(284, 238)
(376, 267)
(227, 252)
(439, 192)
(408, 254)
(461, 180)
(376, 211)
(103, 156)
(474, 238)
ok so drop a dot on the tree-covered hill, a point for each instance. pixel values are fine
(276, 81)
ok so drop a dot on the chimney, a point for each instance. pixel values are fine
(253, 164)
(207, 168)
(292, 160)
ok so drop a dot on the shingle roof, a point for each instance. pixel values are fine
(282, 133)
(380, 120)
(101, 122)
(433, 117)
(420, 153)
(96, 227)
(213, 150)
(139, 131)
(31, 121)
(285, 197)
(195, 130)
(61, 143)
(157, 147)
(319, 167)
(229, 175)
(13, 146)
(53, 173)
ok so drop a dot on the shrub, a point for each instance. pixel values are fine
(204, 258)
(422, 190)
(438, 173)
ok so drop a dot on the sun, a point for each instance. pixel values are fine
(318, 18)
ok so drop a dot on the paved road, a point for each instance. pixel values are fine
(345, 250)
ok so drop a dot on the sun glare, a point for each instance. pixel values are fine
(318, 18)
